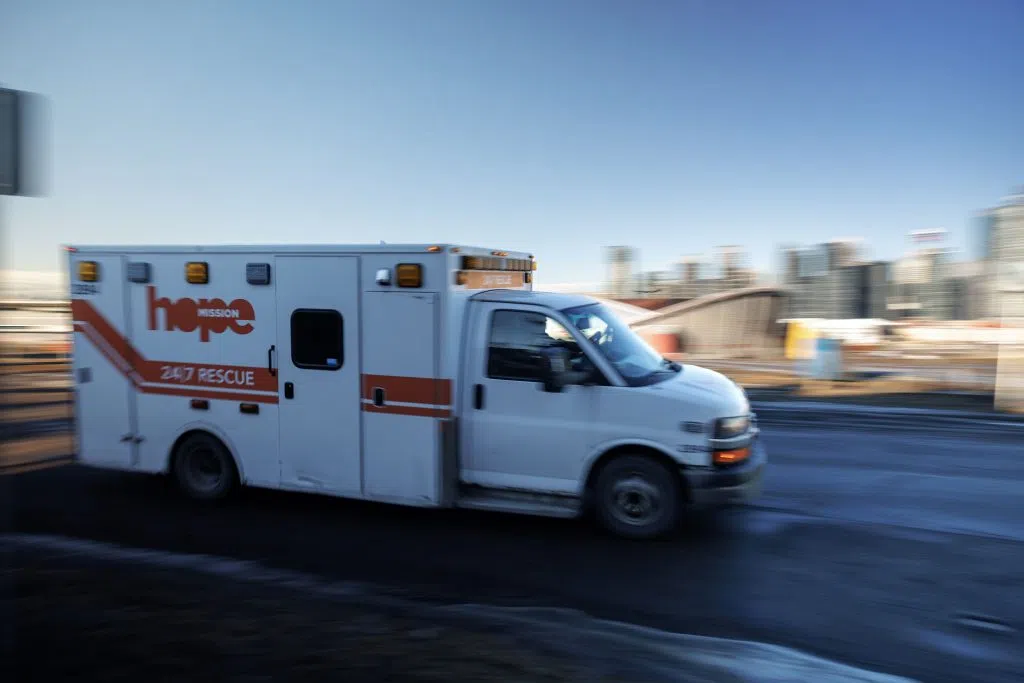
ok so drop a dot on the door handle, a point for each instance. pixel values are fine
(270, 360)
(478, 397)
(289, 390)
(378, 396)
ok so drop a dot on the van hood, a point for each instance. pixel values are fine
(724, 397)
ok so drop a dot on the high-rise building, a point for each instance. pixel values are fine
(878, 276)
(1004, 256)
(840, 253)
(690, 271)
(690, 279)
(622, 276)
(789, 265)
(825, 280)
(936, 297)
(921, 283)
(732, 267)
(847, 291)
(814, 261)
(985, 225)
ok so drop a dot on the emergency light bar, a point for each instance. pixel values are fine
(497, 263)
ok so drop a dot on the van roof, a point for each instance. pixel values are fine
(553, 300)
(287, 248)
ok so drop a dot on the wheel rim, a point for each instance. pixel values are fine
(635, 500)
(204, 469)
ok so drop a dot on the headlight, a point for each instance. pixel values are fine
(728, 427)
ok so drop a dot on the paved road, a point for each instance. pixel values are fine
(897, 552)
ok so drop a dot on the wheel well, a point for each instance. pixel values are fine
(631, 449)
(172, 456)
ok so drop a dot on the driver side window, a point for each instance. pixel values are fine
(516, 343)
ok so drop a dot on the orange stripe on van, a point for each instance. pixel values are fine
(143, 373)
(425, 390)
(83, 312)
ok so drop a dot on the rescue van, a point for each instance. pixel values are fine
(422, 375)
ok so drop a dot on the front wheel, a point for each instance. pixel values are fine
(637, 497)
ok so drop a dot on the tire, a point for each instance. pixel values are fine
(637, 497)
(203, 468)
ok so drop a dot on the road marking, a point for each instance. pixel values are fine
(681, 657)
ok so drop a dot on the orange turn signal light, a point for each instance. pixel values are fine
(409, 275)
(731, 457)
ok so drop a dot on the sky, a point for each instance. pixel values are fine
(553, 127)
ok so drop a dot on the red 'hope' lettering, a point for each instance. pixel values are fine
(207, 315)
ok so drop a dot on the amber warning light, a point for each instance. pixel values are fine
(197, 273)
(409, 275)
(497, 263)
(88, 271)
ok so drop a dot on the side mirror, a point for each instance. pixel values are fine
(558, 372)
(556, 369)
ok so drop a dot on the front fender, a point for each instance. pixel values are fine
(614, 444)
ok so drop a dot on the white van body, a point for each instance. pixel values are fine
(311, 368)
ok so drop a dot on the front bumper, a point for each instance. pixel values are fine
(728, 485)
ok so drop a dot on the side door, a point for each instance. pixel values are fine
(403, 398)
(104, 366)
(319, 369)
(516, 434)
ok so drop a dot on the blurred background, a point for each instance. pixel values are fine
(822, 200)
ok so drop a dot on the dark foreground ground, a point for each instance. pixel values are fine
(896, 549)
(88, 620)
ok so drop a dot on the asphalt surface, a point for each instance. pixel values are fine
(900, 552)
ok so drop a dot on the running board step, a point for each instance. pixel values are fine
(519, 502)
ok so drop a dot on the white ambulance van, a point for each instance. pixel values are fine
(419, 375)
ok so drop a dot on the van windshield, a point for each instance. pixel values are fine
(635, 360)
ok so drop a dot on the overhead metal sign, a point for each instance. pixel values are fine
(21, 143)
(10, 141)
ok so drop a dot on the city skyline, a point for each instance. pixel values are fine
(840, 279)
(977, 235)
(980, 236)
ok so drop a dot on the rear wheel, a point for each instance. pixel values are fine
(204, 468)
(637, 497)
